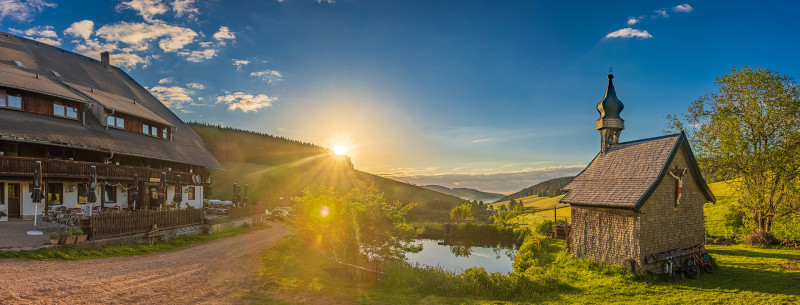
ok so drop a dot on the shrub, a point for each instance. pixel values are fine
(760, 238)
(78, 232)
(55, 235)
(544, 228)
(67, 233)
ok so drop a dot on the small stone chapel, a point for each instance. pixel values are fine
(637, 198)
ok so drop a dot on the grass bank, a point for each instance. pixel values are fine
(64, 253)
(749, 274)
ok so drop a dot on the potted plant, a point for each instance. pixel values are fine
(3, 215)
(64, 236)
(54, 237)
(69, 238)
(81, 237)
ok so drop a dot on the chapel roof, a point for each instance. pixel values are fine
(627, 174)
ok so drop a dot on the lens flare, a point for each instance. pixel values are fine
(324, 211)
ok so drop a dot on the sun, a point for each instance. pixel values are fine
(340, 150)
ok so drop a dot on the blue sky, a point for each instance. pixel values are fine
(495, 95)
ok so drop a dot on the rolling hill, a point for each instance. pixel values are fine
(466, 193)
(275, 167)
(547, 188)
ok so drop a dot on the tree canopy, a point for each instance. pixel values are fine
(748, 130)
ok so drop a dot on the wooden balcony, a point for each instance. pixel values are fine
(53, 168)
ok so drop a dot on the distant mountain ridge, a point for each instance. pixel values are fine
(547, 188)
(466, 193)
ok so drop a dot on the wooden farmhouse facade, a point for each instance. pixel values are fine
(636, 199)
(72, 112)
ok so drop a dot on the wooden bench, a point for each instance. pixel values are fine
(154, 234)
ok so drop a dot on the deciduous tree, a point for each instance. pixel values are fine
(748, 129)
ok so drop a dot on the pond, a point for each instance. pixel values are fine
(458, 257)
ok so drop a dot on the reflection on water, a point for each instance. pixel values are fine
(462, 254)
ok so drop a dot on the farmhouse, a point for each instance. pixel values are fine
(637, 198)
(72, 112)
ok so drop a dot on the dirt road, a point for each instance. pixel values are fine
(208, 273)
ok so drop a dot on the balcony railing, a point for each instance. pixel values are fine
(53, 168)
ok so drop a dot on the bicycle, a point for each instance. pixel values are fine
(689, 267)
(705, 261)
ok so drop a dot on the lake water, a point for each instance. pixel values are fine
(459, 258)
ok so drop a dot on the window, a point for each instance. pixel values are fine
(110, 193)
(10, 149)
(115, 121)
(146, 129)
(15, 101)
(59, 109)
(154, 131)
(10, 100)
(190, 190)
(55, 193)
(83, 193)
(72, 111)
(165, 134)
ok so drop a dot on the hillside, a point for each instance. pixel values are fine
(275, 167)
(466, 193)
(547, 188)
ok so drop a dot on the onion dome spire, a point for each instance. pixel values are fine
(610, 124)
(610, 106)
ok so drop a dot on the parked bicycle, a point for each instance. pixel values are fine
(704, 260)
(674, 265)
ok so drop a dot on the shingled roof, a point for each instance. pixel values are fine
(114, 88)
(626, 175)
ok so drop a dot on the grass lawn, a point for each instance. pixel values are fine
(746, 274)
(64, 253)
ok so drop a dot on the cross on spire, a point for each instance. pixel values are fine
(610, 70)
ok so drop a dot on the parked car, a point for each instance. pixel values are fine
(278, 214)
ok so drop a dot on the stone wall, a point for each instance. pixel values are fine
(664, 228)
(604, 234)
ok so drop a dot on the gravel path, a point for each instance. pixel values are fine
(208, 273)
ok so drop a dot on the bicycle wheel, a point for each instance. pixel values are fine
(668, 271)
(709, 268)
(691, 267)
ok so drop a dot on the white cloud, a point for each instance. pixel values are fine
(629, 33)
(145, 8)
(683, 8)
(239, 63)
(43, 34)
(268, 75)
(173, 96)
(83, 29)
(139, 35)
(660, 13)
(184, 7)
(224, 33)
(166, 80)
(199, 55)
(22, 10)
(632, 20)
(198, 86)
(246, 102)
(319, 1)
(481, 140)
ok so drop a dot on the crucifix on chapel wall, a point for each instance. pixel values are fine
(678, 174)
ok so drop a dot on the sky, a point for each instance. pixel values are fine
(493, 95)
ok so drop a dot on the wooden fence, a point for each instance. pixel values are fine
(118, 224)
